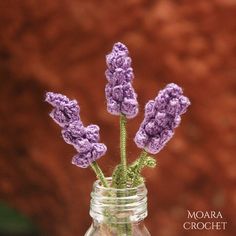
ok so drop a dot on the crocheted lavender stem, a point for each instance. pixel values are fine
(84, 139)
(162, 116)
(120, 95)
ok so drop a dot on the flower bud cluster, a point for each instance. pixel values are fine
(84, 139)
(162, 116)
(120, 95)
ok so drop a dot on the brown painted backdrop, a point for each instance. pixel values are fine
(60, 46)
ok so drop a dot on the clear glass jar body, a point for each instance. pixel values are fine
(118, 212)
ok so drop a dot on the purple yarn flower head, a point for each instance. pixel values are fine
(84, 159)
(162, 116)
(65, 110)
(84, 139)
(120, 95)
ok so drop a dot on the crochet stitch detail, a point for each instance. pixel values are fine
(162, 116)
(120, 95)
(84, 139)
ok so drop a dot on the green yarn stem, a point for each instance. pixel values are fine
(123, 229)
(99, 174)
(123, 136)
(139, 166)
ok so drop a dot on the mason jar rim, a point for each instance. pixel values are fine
(120, 204)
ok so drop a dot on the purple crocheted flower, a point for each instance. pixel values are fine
(162, 116)
(84, 139)
(120, 95)
(84, 159)
(65, 110)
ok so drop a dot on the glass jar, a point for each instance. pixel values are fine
(118, 212)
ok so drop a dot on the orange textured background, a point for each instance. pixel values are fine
(60, 46)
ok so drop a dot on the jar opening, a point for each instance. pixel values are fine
(118, 204)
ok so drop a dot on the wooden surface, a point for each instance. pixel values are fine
(60, 46)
